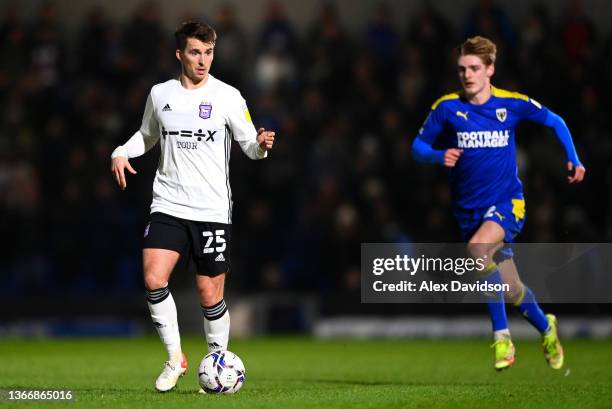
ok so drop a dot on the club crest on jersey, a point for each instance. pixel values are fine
(502, 114)
(205, 110)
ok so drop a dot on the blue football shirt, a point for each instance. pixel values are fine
(486, 173)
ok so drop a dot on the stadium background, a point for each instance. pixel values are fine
(345, 85)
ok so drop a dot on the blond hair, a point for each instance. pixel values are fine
(481, 47)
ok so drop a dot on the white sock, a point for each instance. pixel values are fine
(501, 334)
(216, 326)
(163, 313)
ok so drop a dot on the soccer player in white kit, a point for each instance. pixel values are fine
(194, 119)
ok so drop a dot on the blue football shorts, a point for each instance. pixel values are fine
(510, 215)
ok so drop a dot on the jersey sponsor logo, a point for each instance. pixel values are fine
(208, 136)
(483, 139)
(501, 114)
(166, 108)
(205, 110)
(463, 114)
(186, 145)
(220, 257)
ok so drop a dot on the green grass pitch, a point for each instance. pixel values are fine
(305, 373)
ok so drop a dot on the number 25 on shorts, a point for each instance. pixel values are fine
(218, 239)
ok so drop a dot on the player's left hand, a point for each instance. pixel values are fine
(265, 139)
(576, 173)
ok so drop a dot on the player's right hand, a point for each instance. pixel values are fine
(451, 156)
(118, 166)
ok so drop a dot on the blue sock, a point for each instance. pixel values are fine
(495, 302)
(530, 309)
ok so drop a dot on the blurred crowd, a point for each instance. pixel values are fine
(345, 106)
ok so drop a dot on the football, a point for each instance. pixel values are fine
(221, 372)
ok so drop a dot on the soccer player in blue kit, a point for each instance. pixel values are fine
(476, 127)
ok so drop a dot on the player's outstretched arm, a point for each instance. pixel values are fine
(574, 166)
(118, 166)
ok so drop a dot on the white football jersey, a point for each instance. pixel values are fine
(195, 129)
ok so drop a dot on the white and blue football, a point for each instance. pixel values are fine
(221, 372)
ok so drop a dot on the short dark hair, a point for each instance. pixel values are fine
(194, 29)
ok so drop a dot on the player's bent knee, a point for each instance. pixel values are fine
(210, 294)
(482, 250)
(210, 288)
(154, 281)
(478, 250)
